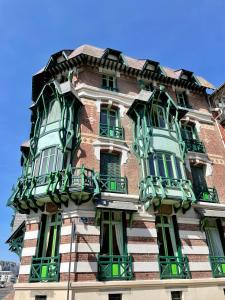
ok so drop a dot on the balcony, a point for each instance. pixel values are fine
(113, 184)
(208, 196)
(172, 267)
(45, 269)
(218, 266)
(110, 88)
(111, 131)
(154, 189)
(31, 192)
(115, 267)
(194, 145)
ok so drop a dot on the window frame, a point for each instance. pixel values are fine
(108, 111)
(111, 222)
(106, 78)
(45, 227)
(182, 99)
(153, 157)
(193, 131)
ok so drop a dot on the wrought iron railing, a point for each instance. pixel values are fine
(115, 267)
(210, 195)
(111, 131)
(157, 186)
(113, 184)
(174, 267)
(194, 145)
(45, 269)
(217, 265)
(110, 88)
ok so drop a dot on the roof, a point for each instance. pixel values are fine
(134, 63)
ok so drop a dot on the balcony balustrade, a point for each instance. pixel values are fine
(218, 266)
(113, 184)
(111, 131)
(210, 195)
(115, 267)
(45, 269)
(174, 267)
(194, 145)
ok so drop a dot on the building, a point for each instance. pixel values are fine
(8, 271)
(122, 183)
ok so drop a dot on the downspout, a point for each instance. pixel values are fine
(72, 238)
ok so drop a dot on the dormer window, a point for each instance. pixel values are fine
(109, 82)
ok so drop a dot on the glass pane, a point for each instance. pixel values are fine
(178, 167)
(112, 118)
(116, 235)
(154, 116)
(44, 166)
(169, 166)
(170, 250)
(151, 164)
(160, 241)
(104, 80)
(111, 81)
(51, 165)
(161, 117)
(105, 239)
(103, 117)
(54, 111)
(37, 166)
(161, 168)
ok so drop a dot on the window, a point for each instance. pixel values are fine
(40, 297)
(158, 116)
(112, 233)
(50, 160)
(115, 296)
(109, 123)
(182, 100)
(53, 111)
(109, 82)
(214, 237)
(166, 236)
(110, 165)
(176, 295)
(165, 165)
(188, 132)
(198, 180)
(48, 241)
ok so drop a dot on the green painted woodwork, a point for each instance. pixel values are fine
(172, 267)
(115, 267)
(111, 131)
(218, 266)
(16, 240)
(210, 195)
(191, 139)
(113, 184)
(45, 269)
(76, 184)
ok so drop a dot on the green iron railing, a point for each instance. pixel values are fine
(115, 267)
(113, 184)
(210, 195)
(194, 145)
(111, 131)
(174, 267)
(217, 265)
(110, 88)
(45, 269)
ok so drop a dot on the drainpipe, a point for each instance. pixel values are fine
(72, 239)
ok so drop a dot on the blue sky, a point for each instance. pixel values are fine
(177, 33)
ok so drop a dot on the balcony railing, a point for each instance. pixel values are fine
(115, 267)
(218, 266)
(111, 131)
(113, 184)
(174, 267)
(81, 182)
(45, 269)
(109, 88)
(153, 187)
(210, 195)
(194, 145)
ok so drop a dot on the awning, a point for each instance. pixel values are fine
(210, 213)
(118, 205)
